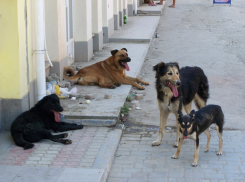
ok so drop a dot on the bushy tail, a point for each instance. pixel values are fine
(203, 88)
(69, 74)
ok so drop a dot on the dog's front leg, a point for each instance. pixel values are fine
(164, 113)
(67, 127)
(176, 155)
(177, 132)
(136, 80)
(195, 161)
(129, 82)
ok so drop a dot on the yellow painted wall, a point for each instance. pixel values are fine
(13, 65)
(31, 40)
(22, 48)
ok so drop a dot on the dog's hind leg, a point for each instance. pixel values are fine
(220, 141)
(188, 108)
(102, 83)
(20, 141)
(199, 102)
(208, 139)
(163, 121)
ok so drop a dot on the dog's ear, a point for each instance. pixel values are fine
(113, 52)
(192, 114)
(176, 64)
(43, 100)
(124, 49)
(158, 66)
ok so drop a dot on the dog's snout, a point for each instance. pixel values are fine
(129, 59)
(178, 83)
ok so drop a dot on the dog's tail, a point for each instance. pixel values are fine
(20, 141)
(69, 74)
(203, 88)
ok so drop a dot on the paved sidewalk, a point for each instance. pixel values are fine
(137, 161)
(87, 159)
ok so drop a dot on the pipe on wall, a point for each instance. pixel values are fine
(135, 7)
(39, 49)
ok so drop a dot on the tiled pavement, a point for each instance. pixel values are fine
(89, 156)
(137, 161)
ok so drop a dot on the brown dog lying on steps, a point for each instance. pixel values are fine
(110, 73)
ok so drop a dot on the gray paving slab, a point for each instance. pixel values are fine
(137, 29)
(155, 163)
(5, 143)
(87, 159)
(8, 173)
(101, 111)
(82, 175)
(38, 174)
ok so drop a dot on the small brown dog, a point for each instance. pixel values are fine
(110, 73)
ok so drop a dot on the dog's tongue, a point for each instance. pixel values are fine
(174, 90)
(185, 137)
(126, 66)
(56, 116)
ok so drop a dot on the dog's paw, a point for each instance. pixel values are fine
(219, 153)
(113, 87)
(141, 88)
(118, 84)
(80, 126)
(146, 83)
(156, 143)
(193, 164)
(174, 157)
(28, 146)
(65, 135)
(68, 142)
(206, 150)
(176, 144)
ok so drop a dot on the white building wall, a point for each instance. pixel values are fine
(108, 19)
(97, 25)
(116, 14)
(83, 42)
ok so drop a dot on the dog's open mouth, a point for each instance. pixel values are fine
(56, 116)
(124, 64)
(173, 88)
(185, 137)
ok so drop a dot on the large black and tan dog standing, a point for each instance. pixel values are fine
(191, 82)
(110, 73)
(35, 124)
(193, 124)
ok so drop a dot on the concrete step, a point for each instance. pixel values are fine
(147, 10)
(139, 29)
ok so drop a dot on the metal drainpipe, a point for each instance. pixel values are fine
(135, 7)
(39, 48)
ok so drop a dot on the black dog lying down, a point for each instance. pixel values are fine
(193, 124)
(34, 125)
